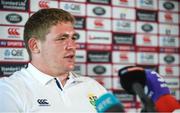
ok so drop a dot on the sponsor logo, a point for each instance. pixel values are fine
(169, 41)
(124, 39)
(79, 56)
(43, 102)
(80, 69)
(3, 43)
(143, 15)
(169, 59)
(99, 56)
(146, 39)
(9, 43)
(79, 23)
(147, 27)
(14, 4)
(124, 57)
(124, 26)
(123, 96)
(77, 68)
(13, 18)
(147, 58)
(43, 4)
(99, 69)
(168, 17)
(169, 70)
(13, 52)
(122, 15)
(172, 82)
(13, 31)
(9, 69)
(74, 7)
(168, 5)
(147, 2)
(100, 1)
(99, 11)
(92, 99)
(123, 1)
(97, 38)
(98, 23)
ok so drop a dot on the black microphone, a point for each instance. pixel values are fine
(133, 80)
(108, 103)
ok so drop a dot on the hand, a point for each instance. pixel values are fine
(156, 85)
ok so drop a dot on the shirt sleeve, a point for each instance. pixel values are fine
(98, 88)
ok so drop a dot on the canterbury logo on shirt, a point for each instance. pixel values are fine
(43, 102)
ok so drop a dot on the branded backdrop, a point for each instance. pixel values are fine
(112, 34)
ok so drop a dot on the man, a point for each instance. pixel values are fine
(48, 83)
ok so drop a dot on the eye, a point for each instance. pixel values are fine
(75, 37)
(61, 38)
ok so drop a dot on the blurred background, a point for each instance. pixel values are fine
(112, 34)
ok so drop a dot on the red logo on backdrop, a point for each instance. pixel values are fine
(124, 56)
(13, 31)
(169, 70)
(43, 4)
(168, 17)
(98, 23)
(124, 1)
(146, 39)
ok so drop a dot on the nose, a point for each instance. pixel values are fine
(70, 44)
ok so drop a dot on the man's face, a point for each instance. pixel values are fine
(58, 49)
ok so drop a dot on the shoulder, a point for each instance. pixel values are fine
(14, 83)
(90, 83)
(85, 79)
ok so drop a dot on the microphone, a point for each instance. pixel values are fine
(133, 80)
(160, 93)
(108, 103)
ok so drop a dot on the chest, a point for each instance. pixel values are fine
(51, 99)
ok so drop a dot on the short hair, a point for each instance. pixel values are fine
(40, 22)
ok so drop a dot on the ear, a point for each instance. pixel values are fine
(33, 44)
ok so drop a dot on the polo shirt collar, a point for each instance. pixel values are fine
(38, 75)
(45, 78)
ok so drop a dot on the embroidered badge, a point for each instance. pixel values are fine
(92, 98)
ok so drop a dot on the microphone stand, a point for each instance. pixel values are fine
(148, 105)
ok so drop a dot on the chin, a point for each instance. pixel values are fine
(71, 67)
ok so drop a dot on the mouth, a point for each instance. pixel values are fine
(70, 56)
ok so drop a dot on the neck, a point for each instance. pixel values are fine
(63, 78)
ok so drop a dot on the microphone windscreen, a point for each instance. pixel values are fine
(167, 103)
(130, 75)
(108, 103)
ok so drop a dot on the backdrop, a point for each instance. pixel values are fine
(112, 34)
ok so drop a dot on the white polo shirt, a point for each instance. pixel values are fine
(30, 90)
